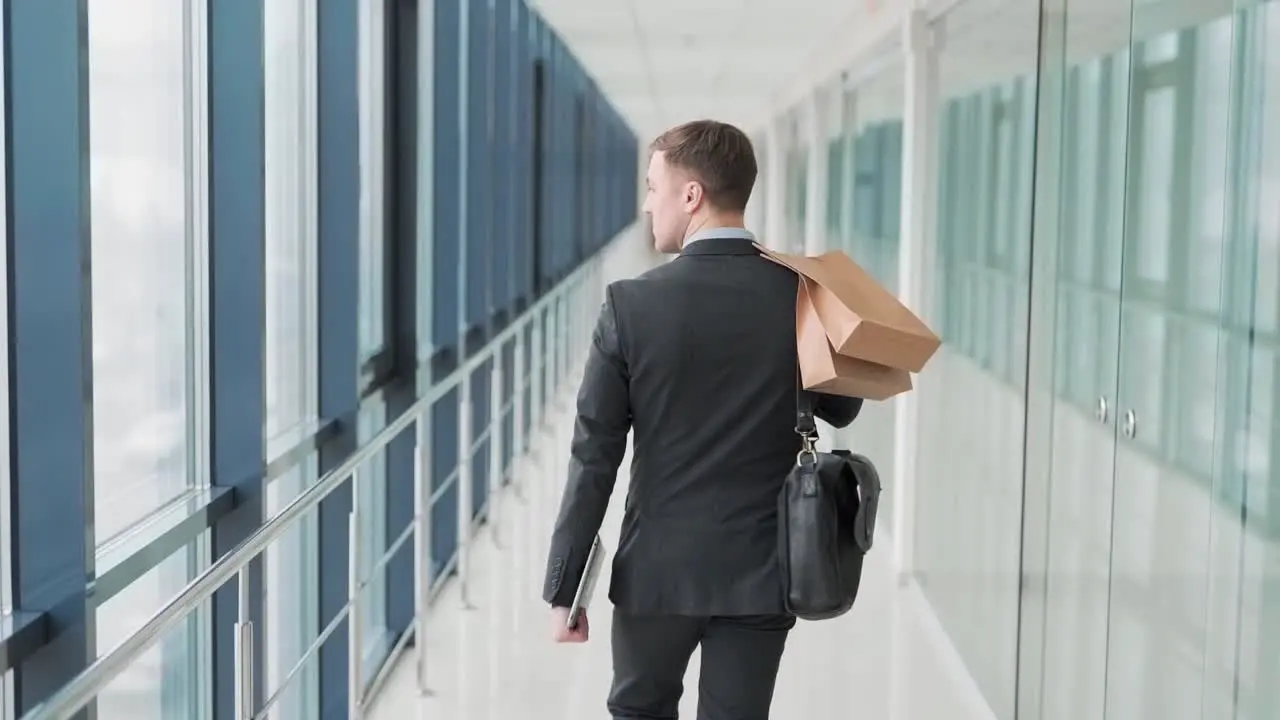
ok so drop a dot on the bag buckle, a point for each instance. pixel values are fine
(807, 447)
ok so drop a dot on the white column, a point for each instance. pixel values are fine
(916, 249)
(775, 186)
(816, 118)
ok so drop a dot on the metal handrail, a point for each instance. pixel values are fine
(82, 689)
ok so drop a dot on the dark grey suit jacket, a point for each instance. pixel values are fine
(698, 356)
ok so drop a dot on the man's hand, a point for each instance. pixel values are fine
(560, 631)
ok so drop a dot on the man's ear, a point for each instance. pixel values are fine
(693, 195)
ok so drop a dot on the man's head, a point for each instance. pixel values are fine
(700, 176)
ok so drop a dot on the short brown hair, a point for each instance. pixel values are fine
(718, 155)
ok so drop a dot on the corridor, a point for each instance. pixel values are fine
(489, 654)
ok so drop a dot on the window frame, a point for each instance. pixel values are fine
(196, 301)
(298, 553)
(376, 309)
(190, 647)
(6, 526)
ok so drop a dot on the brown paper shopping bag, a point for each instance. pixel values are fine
(824, 370)
(861, 318)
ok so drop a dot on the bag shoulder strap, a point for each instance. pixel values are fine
(806, 427)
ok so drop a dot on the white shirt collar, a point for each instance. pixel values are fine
(724, 232)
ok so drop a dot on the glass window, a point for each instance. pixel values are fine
(6, 560)
(371, 496)
(1257, 635)
(6, 550)
(291, 181)
(143, 236)
(1084, 160)
(148, 320)
(291, 602)
(371, 512)
(1115, 135)
(168, 680)
(1153, 180)
(372, 156)
(1210, 132)
(982, 230)
(291, 564)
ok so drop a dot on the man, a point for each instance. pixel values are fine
(698, 356)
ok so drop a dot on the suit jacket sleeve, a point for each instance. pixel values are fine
(835, 410)
(599, 444)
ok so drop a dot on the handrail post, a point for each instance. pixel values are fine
(575, 324)
(537, 356)
(422, 493)
(497, 428)
(561, 304)
(244, 650)
(519, 382)
(355, 643)
(551, 383)
(561, 314)
(465, 490)
(572, 311)
(562, 370)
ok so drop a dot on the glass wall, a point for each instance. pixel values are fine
(6, 487)
(171, 679)
(144, 239)
(870, 171)
(290, 364)
(373, 343)
(1245, 542)
(223, 388)
(865, 190)
(147, 239)
(1158, 548)
(1093, 485)
(6, 520)
(967, 513)
(795, 197)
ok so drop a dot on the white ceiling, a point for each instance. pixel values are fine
(662, 62)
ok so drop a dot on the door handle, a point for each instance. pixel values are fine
(1130, 426)
(1101, 411)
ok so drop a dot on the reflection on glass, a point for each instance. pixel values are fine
(1163, 605)
(866, 207)
(6, 561)
(291, 602)
(291, 564)
(1256, 507)
(140, 244)
(1162, 533)
(372, 63)
(290, 181)
(371, 513)
(1152, 179)
(168, 681)
(967, 515)
(371, 496)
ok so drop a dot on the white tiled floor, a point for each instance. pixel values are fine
(885, 660)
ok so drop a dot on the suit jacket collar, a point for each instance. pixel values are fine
(720, 246)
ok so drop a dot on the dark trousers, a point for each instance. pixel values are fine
(740, 658)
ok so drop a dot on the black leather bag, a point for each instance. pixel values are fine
(826, 519)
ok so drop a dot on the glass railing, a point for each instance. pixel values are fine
(544, 342)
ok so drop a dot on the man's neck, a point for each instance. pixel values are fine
(723, 232)
(712, 222)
